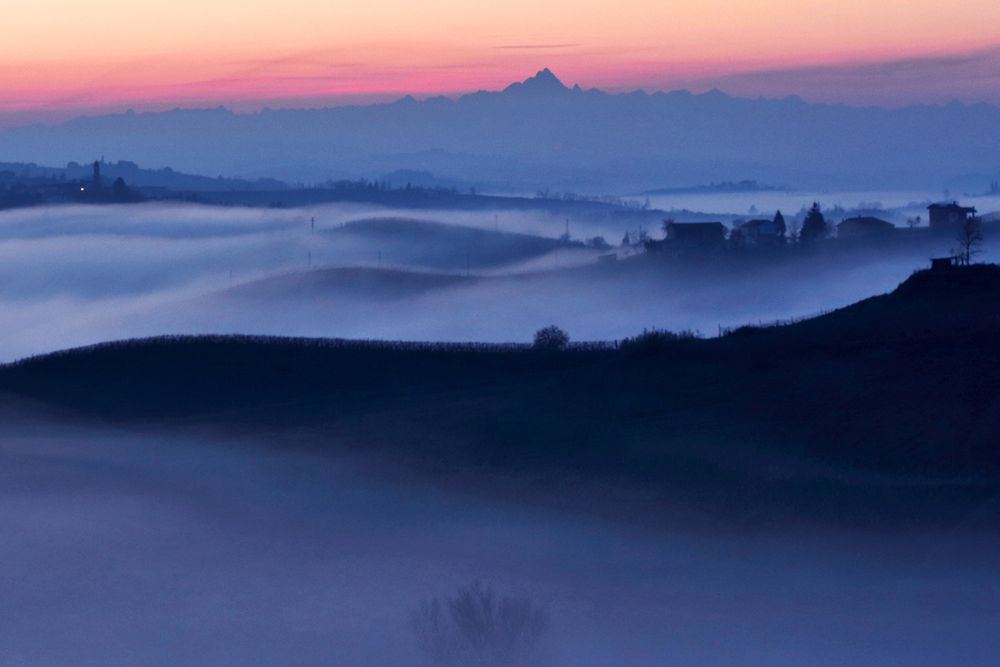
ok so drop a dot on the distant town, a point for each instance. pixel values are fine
(687, 238)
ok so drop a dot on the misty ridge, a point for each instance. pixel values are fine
(541, 133)
(85, 274)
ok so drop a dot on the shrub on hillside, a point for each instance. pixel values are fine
(652, 340)
(551, 339)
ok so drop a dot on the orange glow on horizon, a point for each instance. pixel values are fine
(111, 52)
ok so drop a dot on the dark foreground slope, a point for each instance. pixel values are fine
(885, 412)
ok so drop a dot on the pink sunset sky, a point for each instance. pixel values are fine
(70, 56)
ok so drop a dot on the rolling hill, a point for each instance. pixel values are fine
(361, 284)
(439, 246)
(883, 413)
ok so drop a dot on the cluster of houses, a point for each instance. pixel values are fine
(32, 191)
(773, 232)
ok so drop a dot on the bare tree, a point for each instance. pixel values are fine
(970, 240)
(478, 628)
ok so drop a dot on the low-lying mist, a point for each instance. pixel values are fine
(80, 275)
(122, 548)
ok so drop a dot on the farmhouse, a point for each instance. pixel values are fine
(949, 215)
(762, 232)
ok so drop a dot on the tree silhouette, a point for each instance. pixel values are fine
(478, 628)
(551, 339)
(119, 189)
(970, 238)
(779, 225)
(814, 226)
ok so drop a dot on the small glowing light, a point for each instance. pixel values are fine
(82, 189)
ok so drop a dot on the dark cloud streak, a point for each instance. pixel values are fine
(968, 77)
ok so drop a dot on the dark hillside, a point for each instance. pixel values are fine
(954, 304)
(885, 409)
(187, 376)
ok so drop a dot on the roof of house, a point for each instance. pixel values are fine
(953, 205)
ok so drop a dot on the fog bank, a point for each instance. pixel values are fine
(123, 548)
(79, 275)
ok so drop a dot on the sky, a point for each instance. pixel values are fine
(65, 56)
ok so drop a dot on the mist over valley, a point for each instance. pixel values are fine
(333, 350)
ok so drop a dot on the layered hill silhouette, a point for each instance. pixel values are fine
(435, 245)
(883, 410)
(542, 133)
(364, 284)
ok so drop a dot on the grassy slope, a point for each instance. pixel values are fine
(890, 407)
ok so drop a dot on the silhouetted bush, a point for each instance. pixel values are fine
(551, 339)
(651, 340)
(478, 628)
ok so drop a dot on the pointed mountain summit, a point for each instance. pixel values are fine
(543, 83)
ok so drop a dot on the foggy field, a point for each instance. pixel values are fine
(79, 275)
(122, 547)
(763, 498)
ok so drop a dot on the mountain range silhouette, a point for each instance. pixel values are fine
(541, 133)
